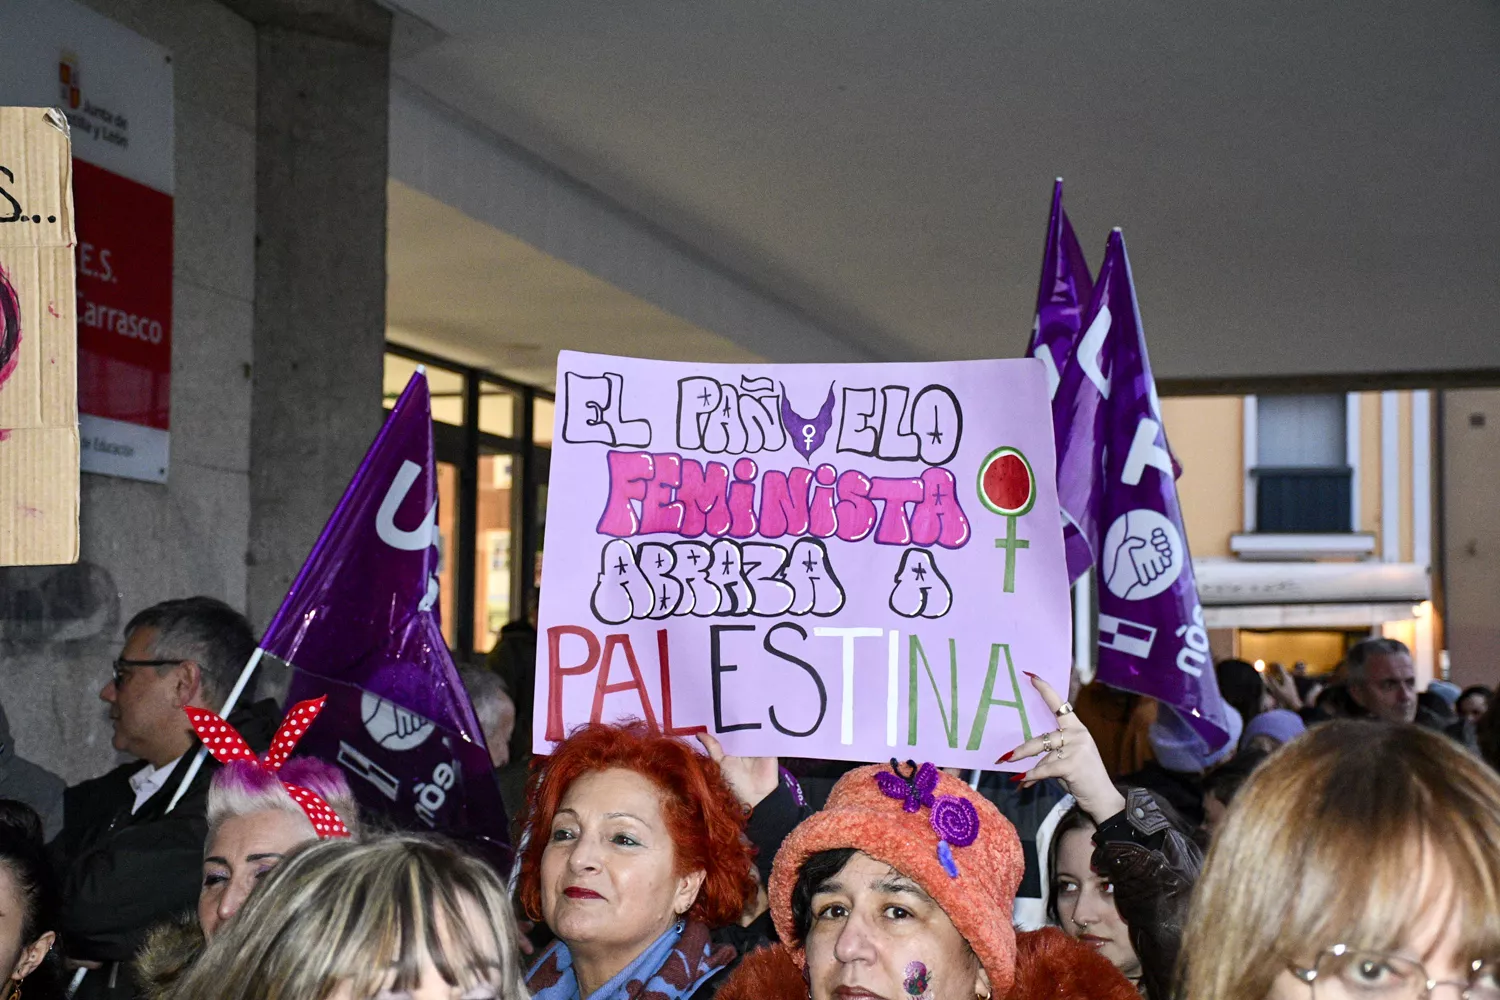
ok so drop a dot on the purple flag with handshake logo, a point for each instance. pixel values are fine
(360, 626)
(1064, 293)
(1117, 482)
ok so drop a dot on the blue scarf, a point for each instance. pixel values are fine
(671, 968)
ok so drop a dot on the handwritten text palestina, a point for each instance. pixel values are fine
(664, 493)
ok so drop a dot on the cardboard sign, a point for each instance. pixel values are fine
(38, 344)
(842, 561)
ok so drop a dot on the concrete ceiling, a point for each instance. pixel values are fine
(1306, 188)
(470, 293)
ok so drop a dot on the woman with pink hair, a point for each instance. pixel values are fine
(260, 810)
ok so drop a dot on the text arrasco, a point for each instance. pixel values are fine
(860, 582)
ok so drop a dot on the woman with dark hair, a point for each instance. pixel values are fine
(1243, 688)
(1473, 701)
(1130, 850)
(635, 855)
(29, 906)
(1081, 900)
(903, 886)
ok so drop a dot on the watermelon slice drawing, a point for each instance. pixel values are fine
(1006, 483)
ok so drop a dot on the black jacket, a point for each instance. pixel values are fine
(1153, 866)
(513, 659)
(122, 872)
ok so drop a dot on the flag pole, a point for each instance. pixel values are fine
(234, 696)
(1084, 626)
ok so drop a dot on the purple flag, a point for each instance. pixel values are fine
(1117, 482)
(1061, 298)
(360, 625)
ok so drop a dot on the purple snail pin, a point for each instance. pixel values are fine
(953, 818)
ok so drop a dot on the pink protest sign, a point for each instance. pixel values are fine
(850, 561)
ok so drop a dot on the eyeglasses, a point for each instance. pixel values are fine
(1341, 973)
(121, 668)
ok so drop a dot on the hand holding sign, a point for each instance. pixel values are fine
(750, 778)
(1070, 755)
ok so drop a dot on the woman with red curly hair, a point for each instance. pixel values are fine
(635, 853)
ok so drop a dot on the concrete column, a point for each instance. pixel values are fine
(321, 112)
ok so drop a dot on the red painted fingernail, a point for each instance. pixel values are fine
(1028, 673)
(1017, 778)
(1005, 757)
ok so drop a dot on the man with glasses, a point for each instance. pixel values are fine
(1382, 679)
(126, 862)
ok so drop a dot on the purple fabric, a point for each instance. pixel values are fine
(359, 624)
(1179, 747)
(1279, 724)
(1116, 481)
(1061, 298)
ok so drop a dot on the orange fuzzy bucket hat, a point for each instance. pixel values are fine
(935, 830)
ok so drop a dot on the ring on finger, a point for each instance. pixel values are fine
(1066, 708)
(1062, 740)
(1046, 743)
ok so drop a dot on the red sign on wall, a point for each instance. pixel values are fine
(124, 298)
(115, 87)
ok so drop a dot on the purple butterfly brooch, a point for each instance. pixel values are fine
(953, 818)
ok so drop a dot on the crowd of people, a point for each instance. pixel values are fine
(1345, 843)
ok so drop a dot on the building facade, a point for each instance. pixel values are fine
(1318, 519)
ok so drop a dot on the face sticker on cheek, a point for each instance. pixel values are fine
(917, 979)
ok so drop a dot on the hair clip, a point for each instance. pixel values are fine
(225, 744)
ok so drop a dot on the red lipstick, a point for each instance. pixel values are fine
(579, 892)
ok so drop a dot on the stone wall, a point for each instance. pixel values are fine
(278, 324)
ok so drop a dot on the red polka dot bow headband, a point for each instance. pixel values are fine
(225, 743)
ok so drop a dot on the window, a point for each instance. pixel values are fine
(493, 457)
(496, 579)
(1303, 482)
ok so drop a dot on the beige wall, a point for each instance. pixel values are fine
(1206, 436)
(1404, 429)
(1369, 464)
(1470, 498)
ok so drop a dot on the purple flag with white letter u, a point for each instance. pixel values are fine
(1061, 298)
(360, 626)
(1117, 481)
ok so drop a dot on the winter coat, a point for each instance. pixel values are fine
(124, 872)
(170, 950)
(1153, 866)
(1049, 966)
(26, 782)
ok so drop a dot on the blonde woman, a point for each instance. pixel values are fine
(399, 918)
(1362, 860)
(253, 823)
